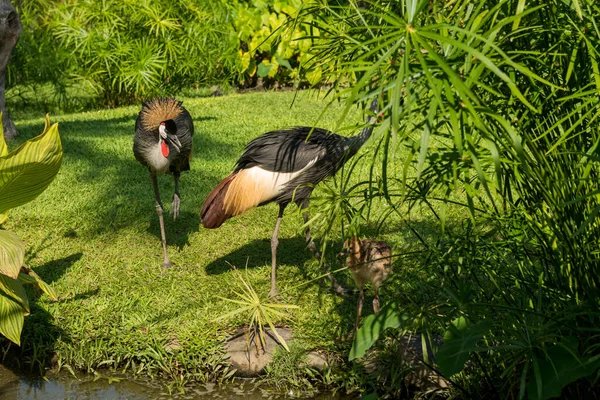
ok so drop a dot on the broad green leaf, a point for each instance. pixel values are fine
(12, 252)
(313, 76)
(244, 60)
(459, 342)
(11, 319)
(558, 367)
(282, 61)
(31, 278)
(264, 69)
(14, 289)
(29, 169)
(373, 327)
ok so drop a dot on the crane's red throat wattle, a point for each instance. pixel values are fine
(164, 148)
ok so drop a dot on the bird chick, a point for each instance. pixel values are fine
(369, 261)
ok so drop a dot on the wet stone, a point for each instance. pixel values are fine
(249, 358)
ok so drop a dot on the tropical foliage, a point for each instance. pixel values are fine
(124, 51)
(24, 175)
(119, 52)
(273, 48)
(497, 103)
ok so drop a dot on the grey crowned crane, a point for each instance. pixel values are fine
(163, 143)
(282, 166)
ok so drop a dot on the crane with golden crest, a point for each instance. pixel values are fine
(163, 144)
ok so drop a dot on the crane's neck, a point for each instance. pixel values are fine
(356, 142)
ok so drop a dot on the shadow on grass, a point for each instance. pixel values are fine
(98, 155)
(40, 333)
(291, 251)
(38, 342)
(83, 295)
(177, 231)
(55, 269)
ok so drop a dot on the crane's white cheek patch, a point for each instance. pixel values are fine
(255, 185)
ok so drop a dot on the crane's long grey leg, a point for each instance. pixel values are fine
(310, 243)
(176, 200)
(274, 244)
(159, 211)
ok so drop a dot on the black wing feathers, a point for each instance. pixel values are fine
(287, 150)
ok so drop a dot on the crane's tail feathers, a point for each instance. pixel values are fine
(239, 192)
(213, 212)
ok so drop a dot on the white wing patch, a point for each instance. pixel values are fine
(253, 186)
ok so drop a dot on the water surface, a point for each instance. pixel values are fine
(14, 386)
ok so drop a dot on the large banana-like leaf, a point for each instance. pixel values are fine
(14, 289)
(12, 252)
(27, 276)
(11, 319)
(29, 169)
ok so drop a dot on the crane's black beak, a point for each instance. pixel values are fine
(174, 141)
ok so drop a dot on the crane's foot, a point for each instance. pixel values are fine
(166, 265)
(175, 206)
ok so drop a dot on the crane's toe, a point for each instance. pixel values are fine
(175, 206)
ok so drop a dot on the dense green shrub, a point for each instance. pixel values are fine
(124, 51)
(272, 45)
(117, 52)
(497, 104)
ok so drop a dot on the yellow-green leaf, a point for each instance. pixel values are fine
(274, 67)
(29, 169)
(12, 252)
(15, 290)
(11, 319)
(520, 8)
(29, 277)
(314, 75)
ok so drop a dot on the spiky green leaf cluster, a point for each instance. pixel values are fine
(497, 104)
(124, 51)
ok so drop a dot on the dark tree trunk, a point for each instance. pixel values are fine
(10, 30)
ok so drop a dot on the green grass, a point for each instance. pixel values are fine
(95, 237)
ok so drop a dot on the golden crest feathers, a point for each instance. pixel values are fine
(157, 110)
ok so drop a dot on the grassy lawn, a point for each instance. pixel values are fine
(95, 236)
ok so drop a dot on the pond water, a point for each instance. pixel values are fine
(65, 386)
